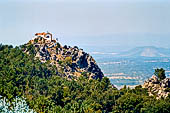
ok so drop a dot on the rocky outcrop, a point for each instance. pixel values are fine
(157, 88)
(71, 62)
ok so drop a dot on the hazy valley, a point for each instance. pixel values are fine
(131, 67)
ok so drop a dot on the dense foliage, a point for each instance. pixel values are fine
(45, 91)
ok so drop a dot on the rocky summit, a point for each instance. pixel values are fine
(158, 88)
(71, 62)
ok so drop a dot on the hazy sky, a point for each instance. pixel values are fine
(89, 22)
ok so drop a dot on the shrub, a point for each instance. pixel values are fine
(68, 60)
(160, 73)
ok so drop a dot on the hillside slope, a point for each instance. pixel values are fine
(38, 83)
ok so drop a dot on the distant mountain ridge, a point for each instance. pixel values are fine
(146, 51)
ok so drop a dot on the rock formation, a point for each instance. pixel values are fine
(71, 62)
(157, 88)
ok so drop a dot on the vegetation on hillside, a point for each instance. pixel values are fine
(46, 92)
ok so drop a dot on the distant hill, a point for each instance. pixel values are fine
(146, 51)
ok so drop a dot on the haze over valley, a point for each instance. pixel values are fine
(134, 66)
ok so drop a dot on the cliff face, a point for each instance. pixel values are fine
(157, 88)
(71, 62)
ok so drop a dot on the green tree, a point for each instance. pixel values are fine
(160, 73)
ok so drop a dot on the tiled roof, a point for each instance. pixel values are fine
(41, 33)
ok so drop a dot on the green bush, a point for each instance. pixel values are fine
(68, 60)
(160, 73)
